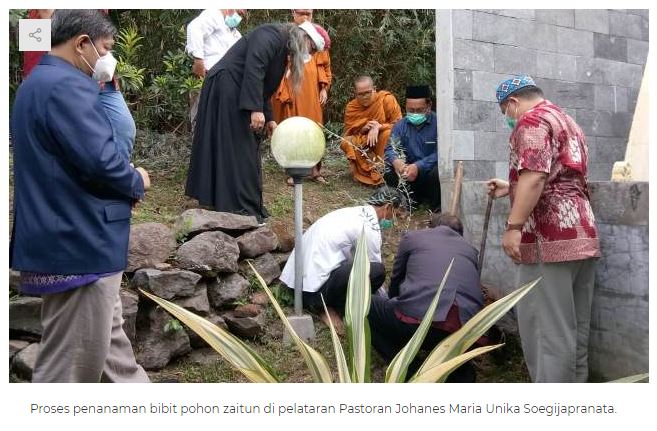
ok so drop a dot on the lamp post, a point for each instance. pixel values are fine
(298, 144)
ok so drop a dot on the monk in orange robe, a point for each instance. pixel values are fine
(368, 121)
(313, 93)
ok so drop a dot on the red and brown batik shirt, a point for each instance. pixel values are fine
(562, 226)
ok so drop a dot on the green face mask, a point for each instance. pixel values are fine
(511, 122)
(415, 118)
(385, 224)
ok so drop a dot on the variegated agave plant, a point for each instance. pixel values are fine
(443, 359)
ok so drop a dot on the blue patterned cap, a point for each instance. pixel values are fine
(511, 85)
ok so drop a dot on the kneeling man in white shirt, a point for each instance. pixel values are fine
(328, 250)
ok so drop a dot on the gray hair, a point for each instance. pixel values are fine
(297, 48)
(69, 23)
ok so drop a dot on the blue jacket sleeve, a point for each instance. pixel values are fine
(390, 155)
(427, 163)
(84, 139)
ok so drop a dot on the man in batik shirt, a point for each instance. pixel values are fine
(550, 231)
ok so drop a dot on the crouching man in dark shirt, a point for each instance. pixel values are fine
(420, 264)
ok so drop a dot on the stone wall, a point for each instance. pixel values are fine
(200, 264)
(590, 62)
(619, 328)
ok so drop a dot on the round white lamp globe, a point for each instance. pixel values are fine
(298, 143)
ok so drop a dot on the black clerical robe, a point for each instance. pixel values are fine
(225, 169)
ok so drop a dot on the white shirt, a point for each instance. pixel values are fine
(208, 37)
(330, 241)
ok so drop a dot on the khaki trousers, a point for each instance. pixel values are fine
(554, 320)
(83, 338)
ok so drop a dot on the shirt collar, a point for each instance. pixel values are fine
(53, 60)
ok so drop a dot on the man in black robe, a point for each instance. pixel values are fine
(225, 168)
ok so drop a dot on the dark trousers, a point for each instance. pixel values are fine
(334, 289)
(389, 335)
(425, 189)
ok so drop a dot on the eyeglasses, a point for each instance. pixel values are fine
(365, 93)
(303, 13)
(416, 110)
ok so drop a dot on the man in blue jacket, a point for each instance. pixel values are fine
(73, 197)
(412, 153)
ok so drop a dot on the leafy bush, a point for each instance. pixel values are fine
(126, 49)
(396, 47)
(161, 103)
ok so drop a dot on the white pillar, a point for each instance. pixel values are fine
(445, 92)
(635, 165)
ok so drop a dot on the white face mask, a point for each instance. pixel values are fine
(104, 68)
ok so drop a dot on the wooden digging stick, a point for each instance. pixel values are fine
(484, 235)
(456, 195)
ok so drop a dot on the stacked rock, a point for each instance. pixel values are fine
(199, 264)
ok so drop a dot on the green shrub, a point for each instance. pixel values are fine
(396, 47)
(126, 49)
(159, 101)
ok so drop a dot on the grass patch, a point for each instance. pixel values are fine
(165, 200)
(165, 157)
(505, 364)
(187, 371)
(281, 205)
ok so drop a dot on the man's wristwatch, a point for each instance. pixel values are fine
(513, 226)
